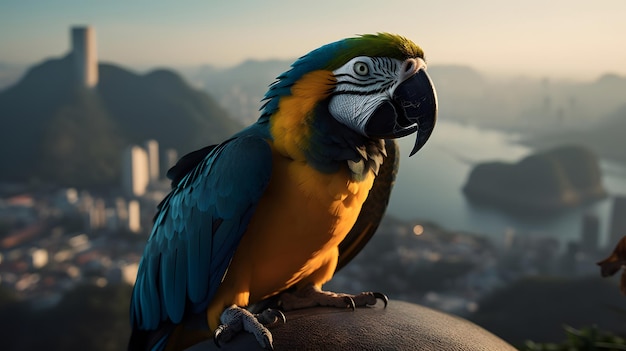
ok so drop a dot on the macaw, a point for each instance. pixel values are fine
(280, 206)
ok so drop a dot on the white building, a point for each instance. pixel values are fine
(134, 216)
(152, 148)
(39, 258)
(135, 175)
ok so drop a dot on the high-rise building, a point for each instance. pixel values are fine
(135, 171)
(121, 208)
(134, 216)
(85, 56)
(97, 214)
(152, 147)
(618, 220)
(590, 233)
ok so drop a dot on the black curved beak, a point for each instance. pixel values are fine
(412, 108)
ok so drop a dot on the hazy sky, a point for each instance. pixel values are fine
(557, 38)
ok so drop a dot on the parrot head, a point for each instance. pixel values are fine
(374, 84)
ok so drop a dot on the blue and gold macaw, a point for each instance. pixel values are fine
(287, 201)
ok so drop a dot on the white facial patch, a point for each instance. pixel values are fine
(362, 85)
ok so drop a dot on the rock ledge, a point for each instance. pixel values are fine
(401, 326)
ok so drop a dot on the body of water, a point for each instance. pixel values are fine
(429, 186)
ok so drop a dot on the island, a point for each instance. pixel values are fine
(552, 180)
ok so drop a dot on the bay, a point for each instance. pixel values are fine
(429, 187)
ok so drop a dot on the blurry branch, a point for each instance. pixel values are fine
(616, 261)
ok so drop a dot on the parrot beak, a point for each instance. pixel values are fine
(412, 108)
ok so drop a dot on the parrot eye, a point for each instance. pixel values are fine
(361, 68)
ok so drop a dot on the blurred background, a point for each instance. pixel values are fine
(500, 219)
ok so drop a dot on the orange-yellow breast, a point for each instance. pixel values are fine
(293, 236)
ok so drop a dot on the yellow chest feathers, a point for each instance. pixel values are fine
(336, 193)
(303, 203)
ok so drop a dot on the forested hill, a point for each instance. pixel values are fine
(54, 131)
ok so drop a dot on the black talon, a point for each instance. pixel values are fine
(271, 316)
(382, 297)
(351, 304)
(277, 314)
(282, 316)
(216, 335)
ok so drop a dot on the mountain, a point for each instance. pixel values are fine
(10, 73)
(55, 131)
(240, 88)
(162, 106)
(606, 137)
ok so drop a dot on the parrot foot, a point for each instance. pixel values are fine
(235, 319)
(311, 296)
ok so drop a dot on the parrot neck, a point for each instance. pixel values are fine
(333, 146)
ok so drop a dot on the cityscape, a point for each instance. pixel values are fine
(60, 238)
(56, 238)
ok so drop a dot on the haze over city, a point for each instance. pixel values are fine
(559, 39)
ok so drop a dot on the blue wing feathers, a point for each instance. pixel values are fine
(149, 317)
(135, 312)
(198, 228)
(167, 279)
(198, 264)
(178, 285)
(174, 280)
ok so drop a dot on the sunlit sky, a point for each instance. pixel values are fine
(560, 38)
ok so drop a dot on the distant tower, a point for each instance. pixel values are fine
(97, 214)
(590, 234)
(152, 147)
(121, 208)
(135, 171)
(85, 56)
(618, 220)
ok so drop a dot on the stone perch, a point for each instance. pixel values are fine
(401, 326)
